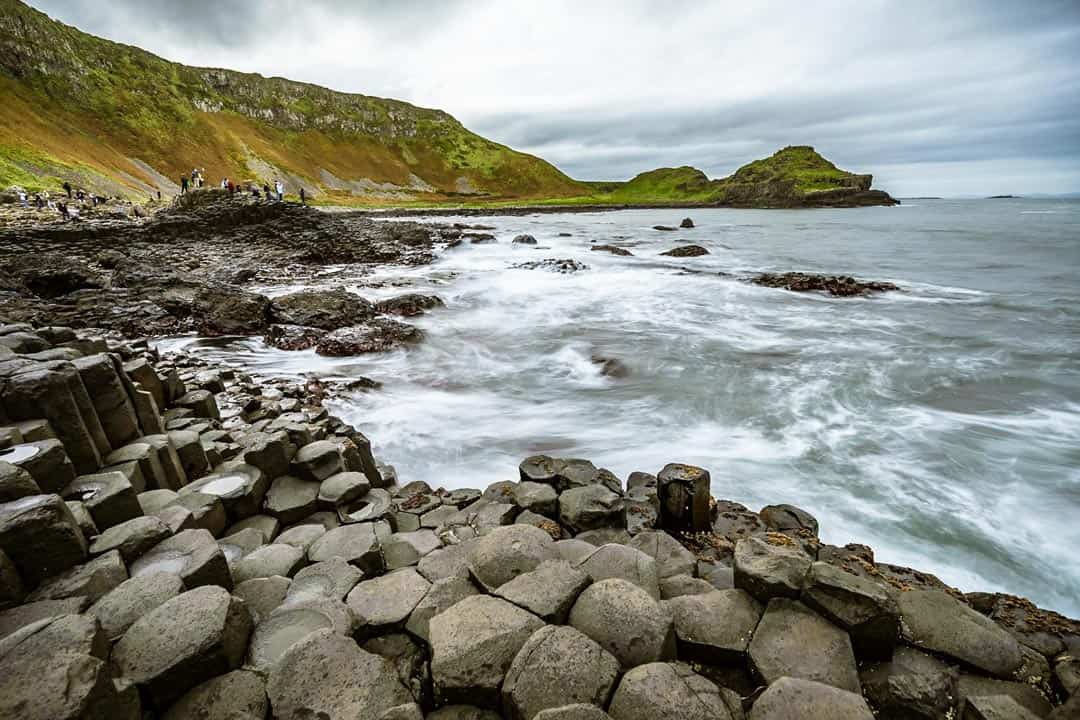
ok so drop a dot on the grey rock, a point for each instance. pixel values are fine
(540, 498)
(341, 488)
(670, 556)
(441, 595)
(681, 585)
(109, 498)
(667, 691)
(792, 640)
(267, 525)
(91, 580)
(240, 544)
(715, 627)
(548, 592)
(473, 644)
(262, 596)
(605, 536)
(590, 507)
(578, 711)
(269, 452)
(12, 590)
(463, 712)
(192, 554)
(267, 561)
(573, 550)
(403, 549)
(789, 519)
(626, 621)
(556, 666)
(449, 561)
(409, 660)
(29, 613)
(238, 695)
(356, 544)
(799, 699)
(384, 603)
(318, 461)
(911, 685)
(935, 621)
(507, 552)
(16, 483)
(861, 607)
(331, 579)
(132, 538)
(301, 536)
(289, 624)
(996, 707)
(132, 599)
(186, 641)
(622, 561)
(208, 512)
(974, 686)
(767, 570)
(291, 499)
(684, 498)
(40, 536)
(241, 488)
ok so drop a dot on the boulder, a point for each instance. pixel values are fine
(679, 585)
(183, 642)
(301, 536)
(556, 666)
(449, 561)
(41, 536)
(473, 644)
(109, 498)
(409, 659)
(861, 607)
(590, 507)
(384, 603)
(669, 691)
(548, 592)
(403, 549)
(291, 499)
(792, 640)
(408, 305)
(524, 240)
(356, 544)
(620, 561)
(192, 554)
(16, 483)
(331, 579)
(263, 595)
(684, 251)
(240, 695)
(269, 452)
(789, 519)
(792, 698)
(626, 621)
(268, 561)
(229, 310)
(441, 595)
(911, 685)
(768, 568)
(288, 624)
(45, 461)
(715, 627)
(683, 491)
(132, 599)
(317, 461)
(132, 538)
(974, 686)
(341, 488)
(507, 552)
(324, 309)
(91, 580)
(378, 335)
(935, 621)
(686, 223)
(670, 556)
(540, 498)
(328, 676)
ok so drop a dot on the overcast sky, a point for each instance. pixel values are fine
(934, 98)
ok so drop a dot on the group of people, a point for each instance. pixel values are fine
(278, 190)
(67, 204)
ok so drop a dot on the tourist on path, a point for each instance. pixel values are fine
(266, 191)
(67, 189)
(183, 184)
(22, 199)
(303, 197)
(280, 190)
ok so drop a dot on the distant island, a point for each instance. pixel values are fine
(1003, 197)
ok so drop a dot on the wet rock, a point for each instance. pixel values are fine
(441, 595)
(798, 699)
(613, 249)
(240, 694)
(132, 599)
(292, 337)
(109, 498)
(192, 554)
(472, 646)
(686, 251)
(626, 621)
(911, 685)
(324, 309)
(861, 607)
(341, 488)
(263, 595)
(524, 240)
(684, 498)
(91, 580)
(936, 621)
(686, 223)
(507, 552)
(664, 228)
(186, 641)
(770, 568)
(229, 310)
(548, 592)
(408, 305)
(357, 544)
(331, 579)
(41, 536)
(668, 691)
(715, 627)
(565, 266)
(623, 562)
(792, 640)
(384, 603)
(558, 665)
(836, 285)
(789, 519)
(328, 676)
(288, 624)
(611, 367)
(291, 499)
(378, 335)
(590, 507)
(277, 559)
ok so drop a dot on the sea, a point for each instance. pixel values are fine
(939, 424)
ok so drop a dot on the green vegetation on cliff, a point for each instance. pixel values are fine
(121, 121)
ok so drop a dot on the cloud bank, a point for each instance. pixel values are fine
(963, 98)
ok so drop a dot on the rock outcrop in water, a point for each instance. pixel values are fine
(836, 285)
(181, 540)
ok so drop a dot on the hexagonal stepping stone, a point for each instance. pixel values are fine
(269, 452)
(342, 488)
(385, 603)
(798, 699)
(558, 665)
(82, 516)
(131, 538)
(108, 497)
(626, 621)
(241, 489)
(590, 507)
(472, 646)
(448, 561)
(151, 501)
(201, 403)
(91, 580)
(936, 621)
(578, 711)
(302, 536)
(670, 556)
(789, 519)
(29, 613)
(403, 549)
(621, 561)
(191, 453)
(168, 458)
(911, 684)
(356, 544)
(45, 461)
(16, 483)
(263, 595)
(770, 568)
(548, 592)
(373, 505)
(186, 641)
(291, 499)
(238, 694)
(267, 525)
(318, 460)
(996, 707)
(669, 691)
(140, 463)
(972, 686)
(41, 536)
(862, 607)
(267, 561)
(194, 555)
(715, 627)
(326, 675)
(792, 640)
(680, 585)
(507, 552)
(440, 596)
(288, 624)
(331, 579)
(132, 599)
(207, 511)
(540, 498)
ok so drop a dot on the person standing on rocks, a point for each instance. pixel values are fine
(183, 184)
(280, 187)
(22, 199)
(303, 197)
(67, 189)
(266, 191)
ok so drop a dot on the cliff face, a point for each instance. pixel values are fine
(117, 118)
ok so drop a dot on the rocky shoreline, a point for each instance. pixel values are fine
(180, 540)
(185, 540)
